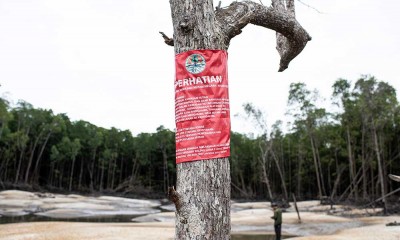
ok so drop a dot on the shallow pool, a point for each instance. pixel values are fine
(36, 218)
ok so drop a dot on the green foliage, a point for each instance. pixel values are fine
(53, 151)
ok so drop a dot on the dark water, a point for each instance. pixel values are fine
(35, 218)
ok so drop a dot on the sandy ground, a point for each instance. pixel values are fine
(377, 231)
(86, 231)
(246, 218)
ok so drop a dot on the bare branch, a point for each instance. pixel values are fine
(175, 197)
(219, 6)
(291, 36)
(305, 4)
(167, 40)
(281, 40)
(278, 5)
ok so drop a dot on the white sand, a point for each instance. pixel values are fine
(249, 217)
(85, 231)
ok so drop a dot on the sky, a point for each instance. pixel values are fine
(103, 61)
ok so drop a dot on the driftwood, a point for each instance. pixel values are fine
(393, 224)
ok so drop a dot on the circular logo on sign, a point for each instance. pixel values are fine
(195, 63)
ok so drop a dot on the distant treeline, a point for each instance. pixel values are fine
(346, 154)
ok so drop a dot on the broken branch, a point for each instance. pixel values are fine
(167, 40)
(291, 36)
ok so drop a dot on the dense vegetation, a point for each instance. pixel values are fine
(344, 155)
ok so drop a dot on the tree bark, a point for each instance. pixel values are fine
(280, 174)
(2, 125)
(297, 209)
(92, 169)
(349, 187)
(299, 170)
(32, 153)
(202, 198)
(113, 174)
(80, 175)
(39, 157)
(336, 184)
(72, 174)
(320, 167)
(21, 145)
(204, 189)
(165, 168)
(265, 178)
(352, 169)
(317, 173)
(101, 178)
(21, 154)
(380, 167)
(363, 162)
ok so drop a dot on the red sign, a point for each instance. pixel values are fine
(201, 105)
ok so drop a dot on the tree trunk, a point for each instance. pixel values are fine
(280, 174)
(80, 175)
(109, 172)
(243, 184)
(92, 170)
(266, 179)
(165, 168)
(202, 198)
(372, 176)
(19, 166)
(264, 172)
(349, 188)
(134, 171)
(2, 124)
(21, 145)
(72, 174)
(28, 168)
(299, 170)
(352, 168)
(336, 184)
(51, 174)
(61, 176)
(204, 187)
(101, 177)
(363, 163)
(36, 169)
(380, 167)
(121, 172)
(316, 166)
(5, 167)
(114, 166)
(320, 168)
